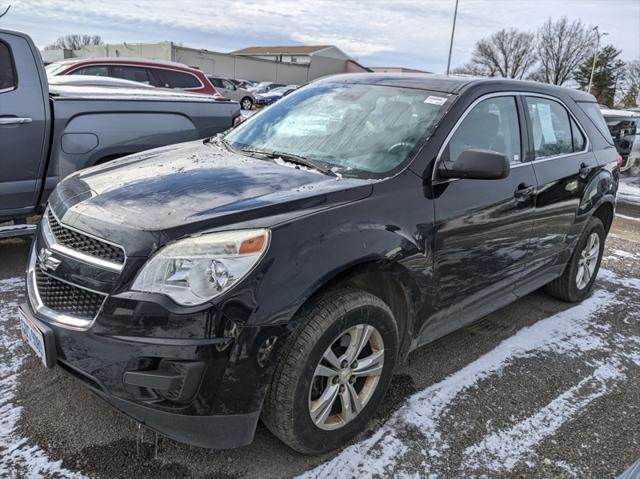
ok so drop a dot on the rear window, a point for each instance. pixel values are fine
(175, 79)
(595, 115)
(7, 73)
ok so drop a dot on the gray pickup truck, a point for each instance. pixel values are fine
(47, 132)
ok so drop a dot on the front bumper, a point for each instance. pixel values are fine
(105, 366)
(196, 374)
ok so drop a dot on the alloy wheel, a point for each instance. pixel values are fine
(346, 377)
(588, 261)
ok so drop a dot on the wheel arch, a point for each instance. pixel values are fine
(388, 281)
(605, 213)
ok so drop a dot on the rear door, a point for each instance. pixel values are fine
(564, 165)
(23, 125)
(483, 227)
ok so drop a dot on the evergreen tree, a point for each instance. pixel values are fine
(605, 78)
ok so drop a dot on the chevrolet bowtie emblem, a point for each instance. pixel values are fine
(47, 261)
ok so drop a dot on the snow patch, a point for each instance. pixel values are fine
(17, 454)
(503, 449)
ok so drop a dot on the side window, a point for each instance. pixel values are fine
(491, 125)
(579, 141)
(97, 70)
(137, 74)
(176, 79)
(550, 127)
(7, 72)
(228, 85)
(216, 82)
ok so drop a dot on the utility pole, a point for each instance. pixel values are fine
(595, 56)
(453, 31)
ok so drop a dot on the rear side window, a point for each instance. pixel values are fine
(551, 127)
(216, 82)
(579, 141)
(175, 79)
(595, 115)
(491, 125)
(7, 72)
(132, 73)
(97, 70)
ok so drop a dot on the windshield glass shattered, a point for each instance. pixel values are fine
(357, 129)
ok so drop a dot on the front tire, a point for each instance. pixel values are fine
(334, 372)
(577, 280)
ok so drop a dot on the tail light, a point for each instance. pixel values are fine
(620, 162)
(237, 120)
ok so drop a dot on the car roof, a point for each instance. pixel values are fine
(455, 84)
(127, 60)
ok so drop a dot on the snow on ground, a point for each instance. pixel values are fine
(570, 333)
(17, 454)
(418, 428)
(629, 190)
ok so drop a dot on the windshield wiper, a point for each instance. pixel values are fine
(292, 158)
(301, 160)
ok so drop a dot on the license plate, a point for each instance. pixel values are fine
(32, 335)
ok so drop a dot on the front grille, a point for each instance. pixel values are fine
(66, 299)
(86, 244)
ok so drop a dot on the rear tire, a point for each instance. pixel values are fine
(577, 280)
(294, 405)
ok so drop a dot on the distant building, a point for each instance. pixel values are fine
(322, 60)
(396, 70)
(300, 65)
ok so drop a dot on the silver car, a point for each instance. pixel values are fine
(228, 89)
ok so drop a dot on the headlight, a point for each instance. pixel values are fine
(195, 270)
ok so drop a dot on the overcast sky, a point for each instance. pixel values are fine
(410, 33)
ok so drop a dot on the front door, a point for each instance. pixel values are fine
(483, 227)
(23, 126)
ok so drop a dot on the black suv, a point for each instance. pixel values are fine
(282, 269)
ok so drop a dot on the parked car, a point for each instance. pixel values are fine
(228, 89)
(245, 84)
(274, 95)
(265, 86)
(283, 269)
(624, 127)
(152, 72)
(90, 80)
(48, 132)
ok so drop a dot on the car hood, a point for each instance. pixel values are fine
(150, 198)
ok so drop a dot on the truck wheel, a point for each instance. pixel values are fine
(246, 103)
(579, 275)
(334, 372)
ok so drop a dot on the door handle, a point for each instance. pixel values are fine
(14, 120)
(523, 191)
(584, 170)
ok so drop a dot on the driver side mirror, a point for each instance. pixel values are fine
(476, 165)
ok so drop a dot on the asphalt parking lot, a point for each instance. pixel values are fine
(539, 389)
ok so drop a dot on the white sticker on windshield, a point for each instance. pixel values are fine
(436, 100)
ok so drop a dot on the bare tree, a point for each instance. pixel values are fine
(5, 11)
(562, 47)
(74, 42)
(506, 53)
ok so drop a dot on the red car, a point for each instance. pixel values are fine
(152, 72)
